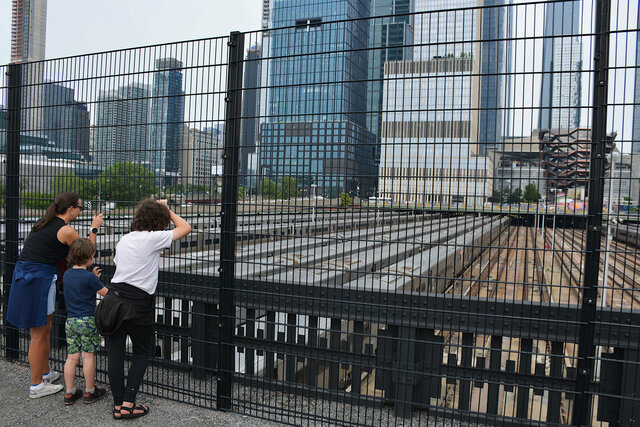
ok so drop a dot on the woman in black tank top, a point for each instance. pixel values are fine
(32, 290)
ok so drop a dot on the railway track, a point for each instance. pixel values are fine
(624, 288)
(513, 271)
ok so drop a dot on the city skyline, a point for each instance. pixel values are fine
(332, 90)
(524, 117)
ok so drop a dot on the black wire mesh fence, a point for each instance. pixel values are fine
(401, 213)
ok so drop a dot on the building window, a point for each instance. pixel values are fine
(308, 23)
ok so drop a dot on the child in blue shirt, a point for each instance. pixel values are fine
(80, 288)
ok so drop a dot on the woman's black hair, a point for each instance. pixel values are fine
(150, 216)
(64, 201)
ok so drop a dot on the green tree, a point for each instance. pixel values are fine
(515, 196)
(71, 182)
(531, 193)
(35, 200)
(501, 196)
(288, 188)
(127, 183)
(345, 199)
(268, 189)
(177, 188)
(241, 193)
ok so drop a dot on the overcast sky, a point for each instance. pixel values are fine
(86, 26)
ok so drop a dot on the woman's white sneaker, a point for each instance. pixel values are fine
(44, 389)
(51, 376)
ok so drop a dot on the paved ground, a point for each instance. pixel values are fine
(16, 409)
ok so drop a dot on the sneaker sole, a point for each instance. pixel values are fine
(39, 395)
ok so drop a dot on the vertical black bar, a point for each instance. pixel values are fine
(467, 356)
(203, 335)
(334, 344)
(167, 319)
(526, 348)
(557, 359)
(629, 404)
(356, 370)
(269, 366)
(184, 342)
(290, 371)
(311, 372)
(251, 333)
(228, 212)
(582, 409)
(12, 198)
(495, 362)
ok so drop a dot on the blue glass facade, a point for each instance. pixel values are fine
(636, 108)
(390, 39)
(65, 121)
(561, 91)
(315, 129)
(167, 116)
(336, 156)
(494, 83)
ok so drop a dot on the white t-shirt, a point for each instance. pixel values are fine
(137, 258)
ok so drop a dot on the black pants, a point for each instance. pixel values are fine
(142, 337)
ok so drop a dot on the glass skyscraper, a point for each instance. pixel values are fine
(315, 130)
(560, 98)
(250, 113)
(494, 81)
(28, 39)
(122, 126)
(636, 96)
(65, 121)
(635, 136)
(390, 39)
(167, 116)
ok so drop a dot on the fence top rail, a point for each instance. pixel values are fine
(332, 22)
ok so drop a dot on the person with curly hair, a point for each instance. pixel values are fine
(32, 294)
(133, 284)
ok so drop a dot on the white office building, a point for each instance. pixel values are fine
(429, 150)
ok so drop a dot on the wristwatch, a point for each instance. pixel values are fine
(94, 230)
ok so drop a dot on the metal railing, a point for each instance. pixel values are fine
(398, 215)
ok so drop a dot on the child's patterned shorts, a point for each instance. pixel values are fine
(82, 335)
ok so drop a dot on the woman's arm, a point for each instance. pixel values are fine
(68, 234)
(97, 221)
(182, 227)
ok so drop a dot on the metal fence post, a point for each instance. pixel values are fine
(226, 353)
(582, 410)
(12, 199)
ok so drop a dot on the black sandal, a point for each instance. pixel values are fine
(116, 411)
(131, 410)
